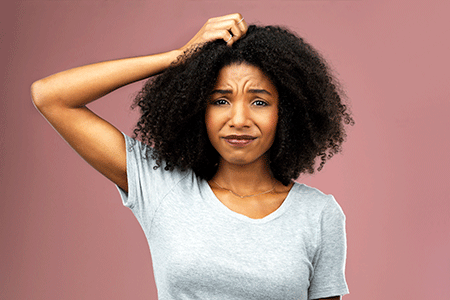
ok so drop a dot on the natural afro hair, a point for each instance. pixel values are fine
(312, 115)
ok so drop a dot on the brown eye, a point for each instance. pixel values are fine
(260, 103)
(220, 102)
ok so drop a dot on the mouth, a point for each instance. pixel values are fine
(239, 140)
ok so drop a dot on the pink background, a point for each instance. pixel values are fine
(64, 232)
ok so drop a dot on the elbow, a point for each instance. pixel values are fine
(38, 94)
(35, 92)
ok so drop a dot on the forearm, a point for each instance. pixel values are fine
(62, 97)
(77, 87)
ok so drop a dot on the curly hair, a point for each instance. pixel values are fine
(312, 116)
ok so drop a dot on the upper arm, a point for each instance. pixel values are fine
(97, 141)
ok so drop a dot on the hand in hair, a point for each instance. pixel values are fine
(229, 28)
(62, 97)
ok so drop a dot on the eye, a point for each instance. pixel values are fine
(260, 103)
(219, 102)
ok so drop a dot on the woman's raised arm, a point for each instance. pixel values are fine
(61, 98)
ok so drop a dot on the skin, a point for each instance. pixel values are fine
(62, 98)
(241, 121)
(244, 106)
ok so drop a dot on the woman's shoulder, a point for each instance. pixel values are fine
(140, 161)
(314, 199)
(308, 192)
(136, 146)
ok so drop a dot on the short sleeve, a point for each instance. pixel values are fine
(146, 185)
(133, 156)
(329, 261)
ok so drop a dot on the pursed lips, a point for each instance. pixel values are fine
(239, 140)
(239, 137)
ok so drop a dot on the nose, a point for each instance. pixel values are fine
(240, 115)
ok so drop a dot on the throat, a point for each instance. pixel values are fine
(246, 196)
(250, 190)
(244, 181)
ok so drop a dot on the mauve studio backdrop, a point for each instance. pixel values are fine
(64, 232)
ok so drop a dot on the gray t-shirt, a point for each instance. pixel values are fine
(203, 250)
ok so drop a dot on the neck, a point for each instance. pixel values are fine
(245, 179)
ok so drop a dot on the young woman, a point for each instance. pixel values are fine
(232, 119)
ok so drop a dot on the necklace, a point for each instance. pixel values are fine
(245, 196)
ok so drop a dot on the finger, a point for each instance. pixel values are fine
(236, 32)
(223, 34)
(236, 29)
(243, 26)
(235, 16)
(239, 29)
(227, 37)
(223, 27)
(229, 41)
(229, 20)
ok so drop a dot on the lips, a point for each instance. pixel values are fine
(239, 140)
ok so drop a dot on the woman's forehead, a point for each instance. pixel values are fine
(243, 75)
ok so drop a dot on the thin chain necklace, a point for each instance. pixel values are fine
(245, 196)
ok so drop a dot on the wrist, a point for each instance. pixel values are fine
(174, 54)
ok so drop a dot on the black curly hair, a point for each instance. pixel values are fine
(312, 116)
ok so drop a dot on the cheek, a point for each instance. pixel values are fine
(271, 122)
(271, 129)
(211, 125)
(208, 118)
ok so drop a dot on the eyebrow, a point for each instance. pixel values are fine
(253, 91)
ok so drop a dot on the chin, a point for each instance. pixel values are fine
(241, 160)
(240, 163)
(237, 161)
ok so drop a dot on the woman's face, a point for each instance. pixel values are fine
(242, 114)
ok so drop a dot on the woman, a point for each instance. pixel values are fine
(233, 118)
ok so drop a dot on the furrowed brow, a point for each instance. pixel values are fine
(253, 91)
(222, 92)
(259, 91)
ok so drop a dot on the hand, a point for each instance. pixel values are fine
(229, 28)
